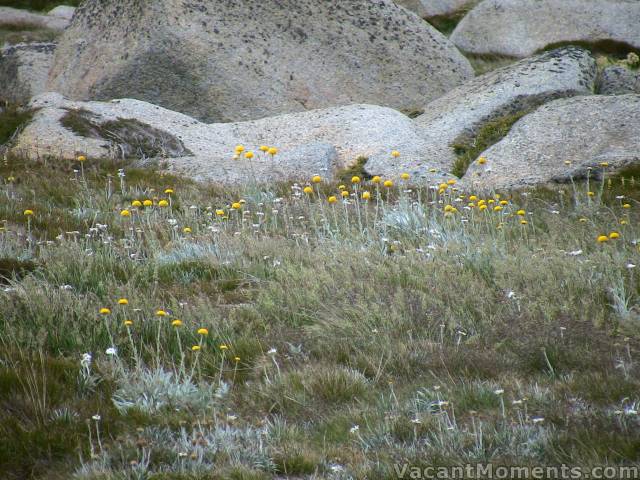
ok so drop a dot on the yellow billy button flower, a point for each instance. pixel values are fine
(239, 149)
(626, 205)
(523, 222)
(602, 239)
(405, 176)
(591, 194)
(236, 205)
(623, 222)
(264, 148)
(169, 191)
(177, 323)
(395, 154)
(186, 229)
(443, 186)
(341, 187)
(344, 193)
(163, 203)
(224, 347)
(504, 203)
(388, 183)
(497, 208)
(471, 205)
(451, 181)
(482, 160)
(148, 203)
(366, 195)
(127, 323)
(376, 179)
(355, 179)
(220, 212)
(482, 207)
(332, 199)
(203, 331)
(236, 359)
(614, 235)
(105, 311)
(82, 158)
(448, 208)
(273, 151)
(249, 155)
(28, 213)
(195, 348)
(316, 179)
(473, 198)
(136, 203)
(161, 313)
(583, 220)
(125, 213)
(123, 301)
(604, 164)
(521, 213)
(308, 190)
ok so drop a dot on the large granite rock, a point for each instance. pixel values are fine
(14, 18)
(24, 69)
(618, 79)
(436, 8)
(520, 28)
(314, 142)
(219, 60)
(457, 116)
(584, 131)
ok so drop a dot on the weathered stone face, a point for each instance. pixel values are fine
(223, 60)
(24, 69)
(436, 8)
(309, 143)
(457, 116)
(519, 28)
(583, 131)
(617, 79)
(57, 19)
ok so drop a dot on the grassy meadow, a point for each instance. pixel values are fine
(155, 328)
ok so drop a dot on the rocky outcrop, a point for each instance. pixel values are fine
(314, 142)
(436, 8)
(584, 132)
(618, 79)
(58, 19)
(62, 11)
(519, 28)
(457, 116)
(226, 61)
(24, 69)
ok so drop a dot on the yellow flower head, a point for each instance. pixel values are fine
(236, 205)
(473, 198)
(272, 151)
(504, 203)
(224, 347)
(355, 179)
(451, 181)
(448, 208)
(341, 187)
(482, 207)
(395, 154)
(316, 179)
(604, 164)
(28, 213)
(405, 176)
(482, 160)
(523, 222)
(308, 190)
(147, 203)
(591, 194)
(443, 186)
(220, 212)
(626, 205)
(169, 191)
(388, 183)
(82, 158)
(239, 149)
(105, 311)
(264, 148)
(136, 203)
(186, 229)
(177, 323)
(332, 199)
(344, 193)
(127, 323)
(614, 235)
(123, 301)
(366, 195)
(497, 208)
(163, 203)
(583, 220)
(203, 331)
(236, 359)
(376, 179)
(248, 155)
(125, 213)
(195, 348)
(161, 313)
(521, 213)
(602, 239)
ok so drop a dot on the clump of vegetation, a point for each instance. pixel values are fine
(468, 149)
(173, 329)
(12, 118)
(41, 5)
